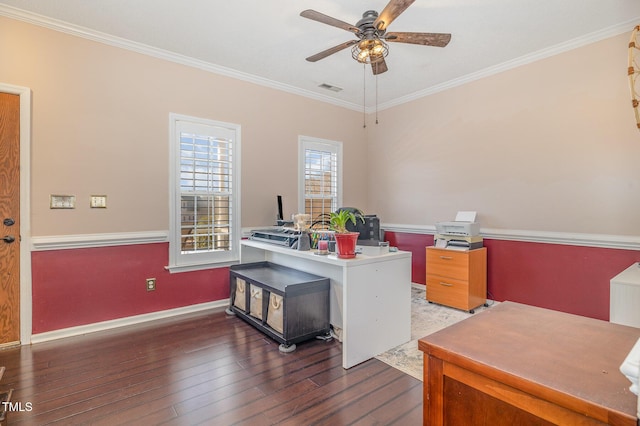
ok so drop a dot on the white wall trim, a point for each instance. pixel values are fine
(78, 31)
(127, 321)
(309, 142)
(63, 242)
(25, 207)
(517, 62)
(409, 229)
(232, 132)
(625, 242)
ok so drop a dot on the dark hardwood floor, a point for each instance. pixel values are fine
(206, 368)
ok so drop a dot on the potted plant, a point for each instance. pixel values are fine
(345, 240)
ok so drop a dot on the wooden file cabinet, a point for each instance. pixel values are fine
(457, 278)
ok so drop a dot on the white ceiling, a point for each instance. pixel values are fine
(267, 41)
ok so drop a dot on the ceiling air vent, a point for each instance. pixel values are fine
(330, 87)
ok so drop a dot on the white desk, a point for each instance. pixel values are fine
(370, 296)
(624, 297)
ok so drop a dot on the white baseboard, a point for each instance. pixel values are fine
(123, 322)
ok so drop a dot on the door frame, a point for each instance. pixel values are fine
(25, 209)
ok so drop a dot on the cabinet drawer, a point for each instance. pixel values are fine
(448, 292)
(448, 263)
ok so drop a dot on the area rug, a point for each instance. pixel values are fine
(426, 318)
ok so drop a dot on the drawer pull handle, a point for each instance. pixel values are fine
(446, 284)
(446, 257)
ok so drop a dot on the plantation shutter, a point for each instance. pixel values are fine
(320, 174)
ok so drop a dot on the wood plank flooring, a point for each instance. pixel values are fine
(207, 368)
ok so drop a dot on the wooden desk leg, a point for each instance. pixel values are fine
(433, 391)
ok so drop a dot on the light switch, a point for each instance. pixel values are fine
(98, 201)
(62, 201)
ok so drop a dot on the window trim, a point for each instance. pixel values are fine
(179, 262)
(308, 142)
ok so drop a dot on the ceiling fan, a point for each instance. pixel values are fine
(370, 47)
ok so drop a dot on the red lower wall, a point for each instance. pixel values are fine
(83, 286)
(565, 278)
(416, 244)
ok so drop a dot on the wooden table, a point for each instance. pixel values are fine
(514, 364)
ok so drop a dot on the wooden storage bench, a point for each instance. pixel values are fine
(288, 305)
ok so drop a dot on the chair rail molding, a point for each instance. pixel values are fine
(625, 242)
(64, 242)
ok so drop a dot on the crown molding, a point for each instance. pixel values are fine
(100, 37)
(76, 30)
(518, 62)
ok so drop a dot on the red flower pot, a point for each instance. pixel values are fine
(346, 244)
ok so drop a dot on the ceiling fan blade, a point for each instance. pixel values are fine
(325, 19)
(331, 51)
(425, 39)
(379, 67)
(390, 12)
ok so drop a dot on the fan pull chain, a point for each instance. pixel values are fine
(364, 96)
(376, 98)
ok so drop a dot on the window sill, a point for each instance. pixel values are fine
(199, 266)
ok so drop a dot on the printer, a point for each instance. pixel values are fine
(460, 234)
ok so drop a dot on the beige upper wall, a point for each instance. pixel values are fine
(550, 146)
(100, 124)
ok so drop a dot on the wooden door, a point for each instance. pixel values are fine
(9, 218)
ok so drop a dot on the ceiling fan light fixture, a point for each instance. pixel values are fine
(370, 47)
(370, 51)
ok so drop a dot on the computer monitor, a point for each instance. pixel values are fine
(369, 230)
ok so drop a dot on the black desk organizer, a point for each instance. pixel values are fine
(305, 302)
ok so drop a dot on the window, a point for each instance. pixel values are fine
(320, 176)
(205, 193)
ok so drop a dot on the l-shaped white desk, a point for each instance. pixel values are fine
(370, 296)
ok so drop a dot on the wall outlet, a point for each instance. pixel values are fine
(151, 284)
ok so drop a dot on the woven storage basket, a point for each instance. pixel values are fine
(240, 300)
(275, 312)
